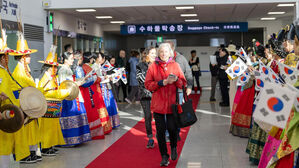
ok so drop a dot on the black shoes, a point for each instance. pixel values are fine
(48, 152)
(150, 143)
(165, 161)
(174, 153)
(28, 160)
(35, 157)
(224, 104)
(212, 99)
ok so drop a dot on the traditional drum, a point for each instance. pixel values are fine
(72, 86)
(12, 118)
(54, 109)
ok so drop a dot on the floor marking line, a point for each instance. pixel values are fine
(211, 113)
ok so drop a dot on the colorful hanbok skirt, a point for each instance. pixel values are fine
(110, 105)
(256, 143)
(74, 123)
(97, 114)
(269, 151)
(241, 120)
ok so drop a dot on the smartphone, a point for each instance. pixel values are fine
(172, 76)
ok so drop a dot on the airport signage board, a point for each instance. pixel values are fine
(183, 28)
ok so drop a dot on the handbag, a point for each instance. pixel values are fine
(184, 114)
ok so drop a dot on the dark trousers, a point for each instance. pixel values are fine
(134, 94)
(123, 88)
(196, 76)
(114, 91)
(213, 86)
(224, 89)
(146, 106)
(161, 126)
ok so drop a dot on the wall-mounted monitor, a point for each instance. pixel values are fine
(216, 42)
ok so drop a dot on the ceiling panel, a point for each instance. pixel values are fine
(168, 14)
(242, 11)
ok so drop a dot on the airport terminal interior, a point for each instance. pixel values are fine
(148, 84)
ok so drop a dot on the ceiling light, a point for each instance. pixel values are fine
(276, 13)
(269, 18)
(188, 15)
(284, 5)
(118, 22)
(85, 10)
(104, 17)
(192, 20)
(184, 7)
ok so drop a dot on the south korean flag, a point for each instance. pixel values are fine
(243, 79)
(265, 72)
(236, 69)
(275, 105)
(259, 80)
(107, 66)
(289, 74)
(118, 70)
(116, 77)
(241, 52)
(296, 103)
(124, 76)
(257, 98)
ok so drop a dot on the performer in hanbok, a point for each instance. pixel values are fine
(288, 151)
(10, 143)
(23, 76)
(106, 90)
(292, 58)
(50, 129)
(73, 120)
(257, 136)
(96, 110)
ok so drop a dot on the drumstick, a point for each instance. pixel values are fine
(50, 89)
(47, 83)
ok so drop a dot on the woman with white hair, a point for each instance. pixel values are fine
(163, 78)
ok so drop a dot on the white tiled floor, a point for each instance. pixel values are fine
(208, 145)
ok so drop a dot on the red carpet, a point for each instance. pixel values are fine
(130, 150)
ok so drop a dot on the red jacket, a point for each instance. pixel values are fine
(163, 96)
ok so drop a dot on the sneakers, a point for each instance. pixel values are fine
(165, 161)
(128, 101)
(28, 160)
(150, 143)
(167, 139)
(48, 152)
(34, 156)
(55, 150)
(174, 154)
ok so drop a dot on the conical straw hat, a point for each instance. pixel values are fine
(22, 46)
(52, 57)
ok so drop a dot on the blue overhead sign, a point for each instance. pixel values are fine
(184, 28)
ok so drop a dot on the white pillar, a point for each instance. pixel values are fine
(75, 47)
(86, 45)
(81, 44)
(297, 10)
(91, 45)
